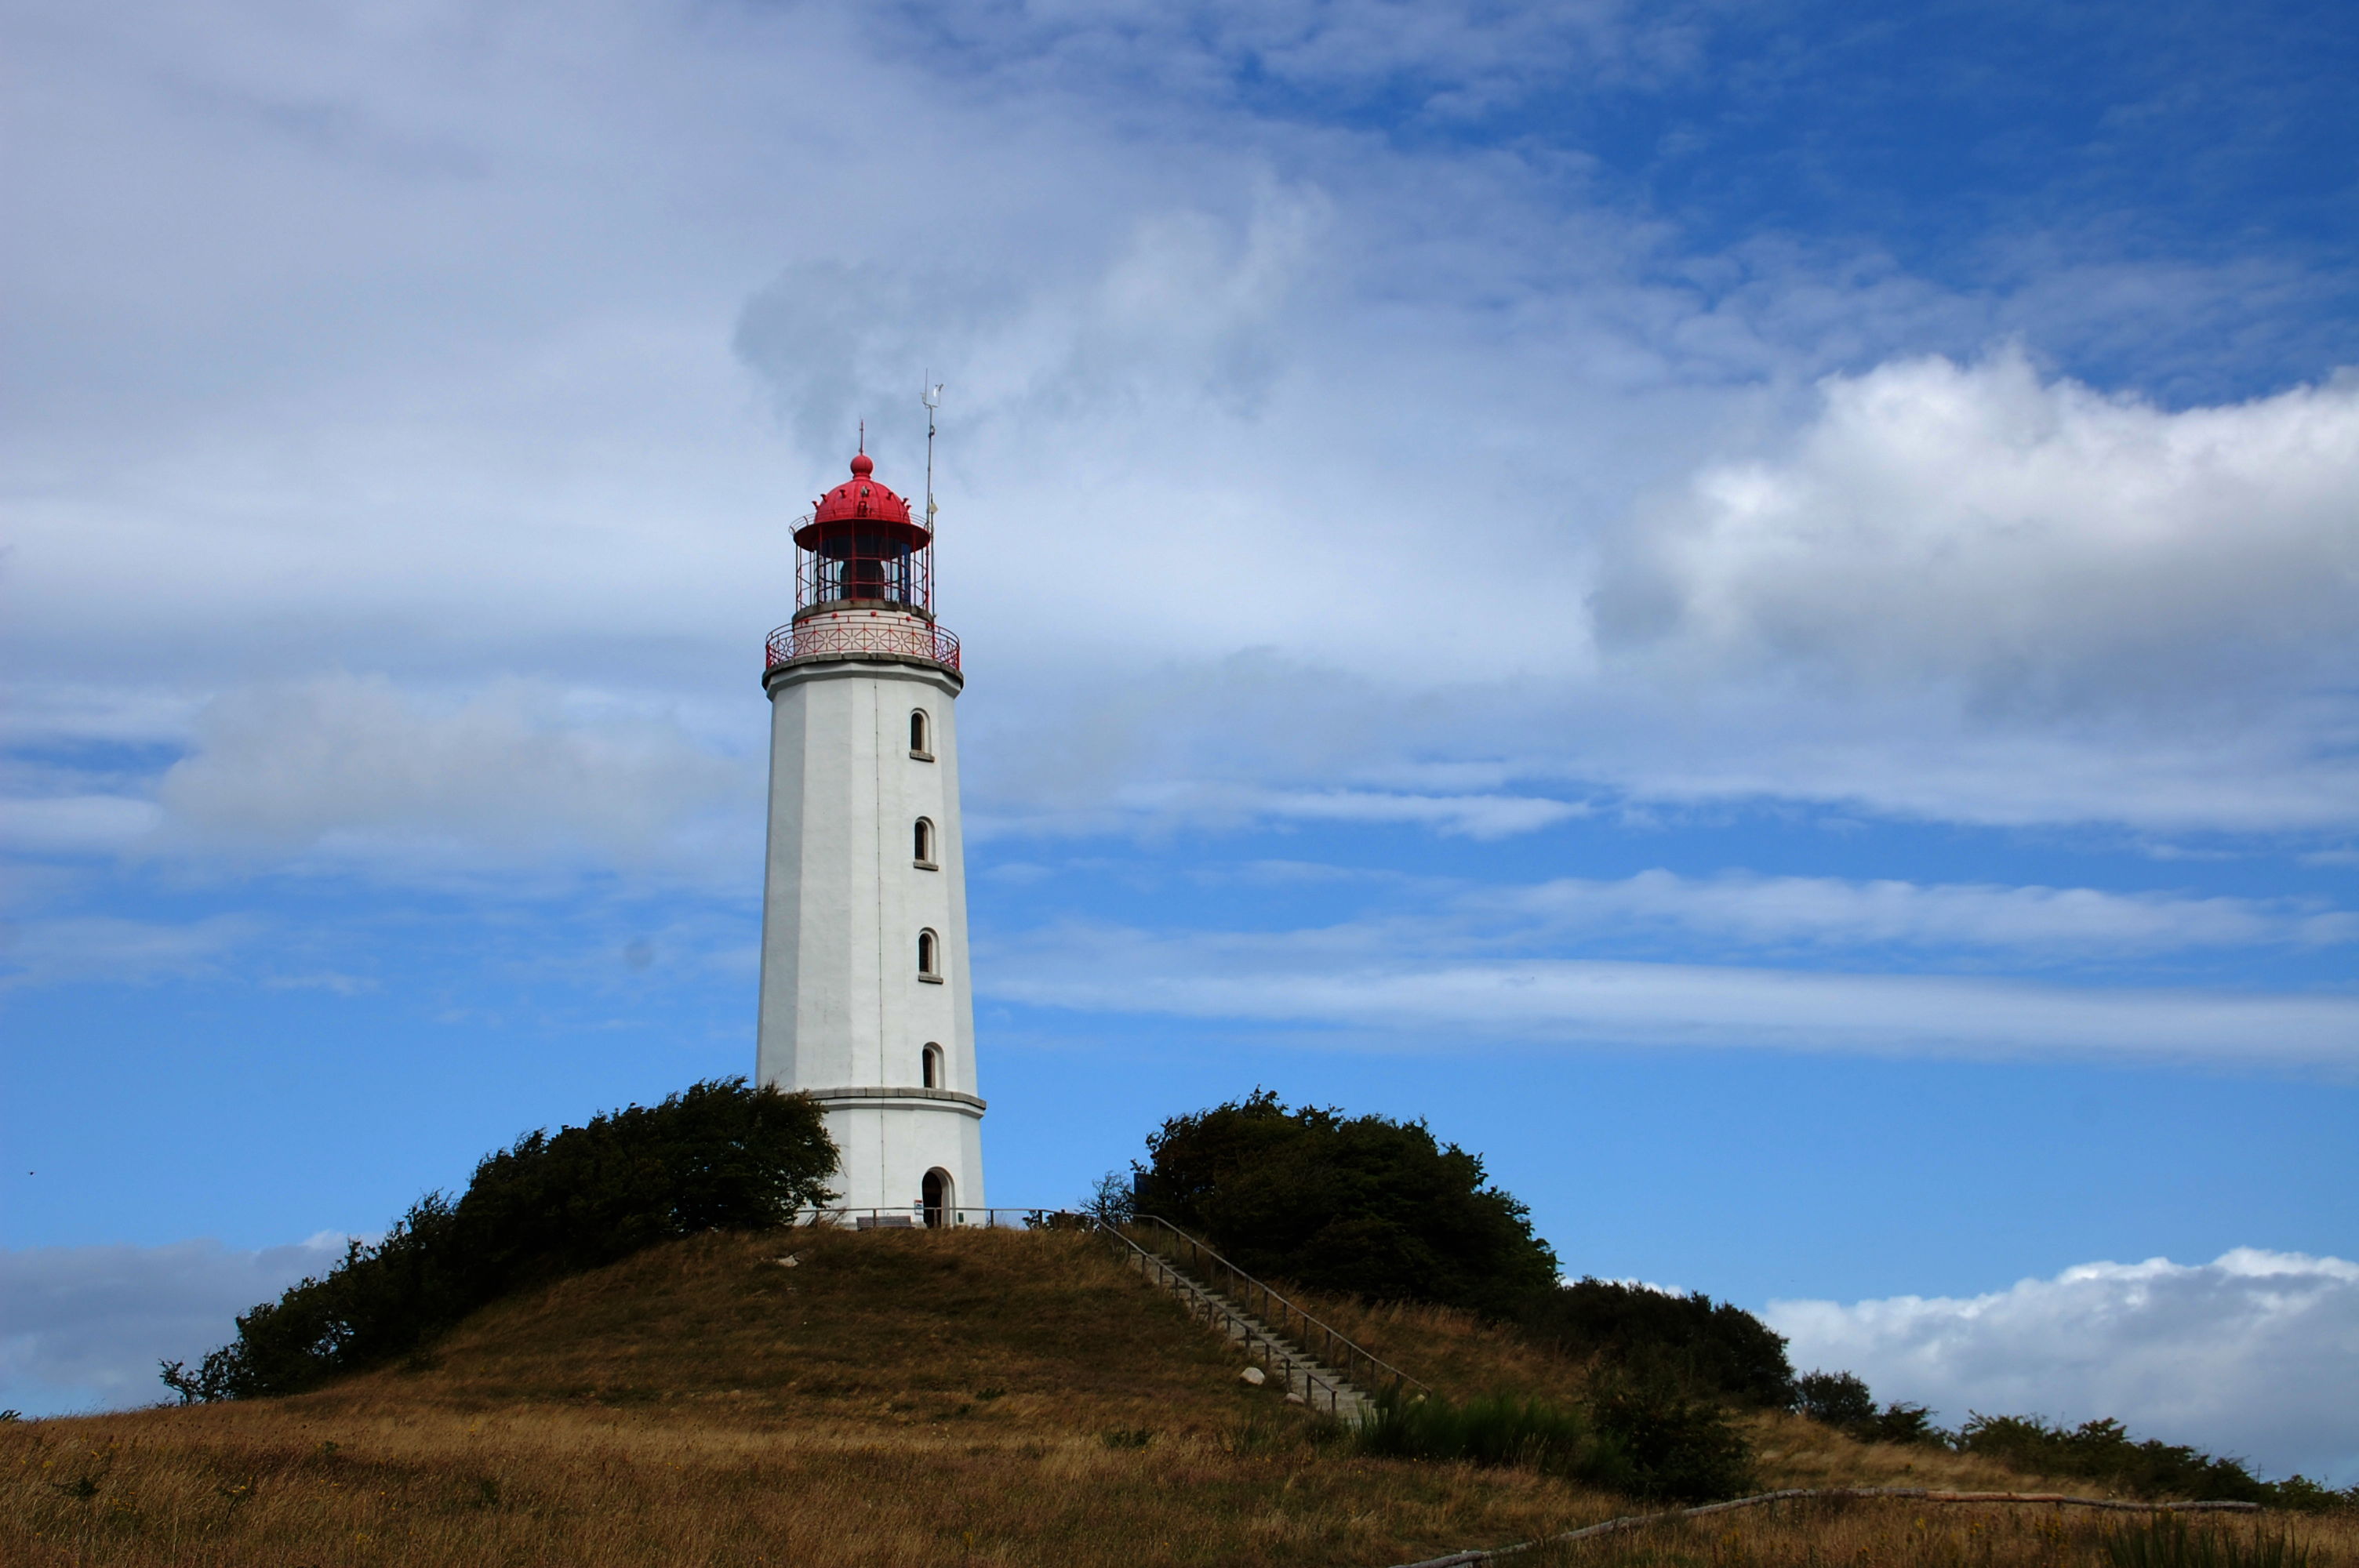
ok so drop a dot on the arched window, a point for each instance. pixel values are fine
(922, 735)
(929, 956)
(930, 1060)
(925, 843)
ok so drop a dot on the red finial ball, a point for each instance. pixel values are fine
(862, 498)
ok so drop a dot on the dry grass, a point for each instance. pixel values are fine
(1455, 1353)
(918, 1398)
(1791, 1452)
(1460, 1357)
(1872, 1534)
(895, 1397)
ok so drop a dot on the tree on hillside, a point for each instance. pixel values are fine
(1837, 1398)
(1840, 1399)
(719, 1156)
(1364, 1205)
(1710, 1347)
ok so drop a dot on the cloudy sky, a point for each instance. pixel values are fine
(1750, 607)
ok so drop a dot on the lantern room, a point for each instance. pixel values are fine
(864, 579)
(860, 549)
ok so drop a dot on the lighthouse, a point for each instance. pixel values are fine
(865, 1003)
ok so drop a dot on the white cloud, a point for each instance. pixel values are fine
(1179, 311)
(111, 950)
(1387, 983)
(1479, 817)
(352, 769)
(84, 1327)
(76, 824)
(452, 365)
(2034, 541)
(1471, 816)
(1831, 911)
(2253, 1354)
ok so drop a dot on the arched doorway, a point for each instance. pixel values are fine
(935, 1191)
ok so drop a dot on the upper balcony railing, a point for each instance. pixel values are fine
(853, 634)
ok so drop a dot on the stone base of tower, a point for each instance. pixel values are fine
(889, 1140)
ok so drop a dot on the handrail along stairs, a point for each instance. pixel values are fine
(1279, 1314)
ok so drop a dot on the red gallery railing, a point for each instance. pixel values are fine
(853, 634)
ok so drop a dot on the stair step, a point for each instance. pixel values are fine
(1299, 1373)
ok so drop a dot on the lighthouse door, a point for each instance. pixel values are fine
(937, 1194)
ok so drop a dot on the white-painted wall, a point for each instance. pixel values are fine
(844, 1013)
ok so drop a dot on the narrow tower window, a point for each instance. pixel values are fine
(930, 1065)
(921, 739)
(925, 844)
(929, 957)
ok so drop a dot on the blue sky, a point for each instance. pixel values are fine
(1749, 608)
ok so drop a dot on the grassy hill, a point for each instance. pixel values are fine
(909, 1397)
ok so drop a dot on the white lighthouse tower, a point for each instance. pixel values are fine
(865, 1003)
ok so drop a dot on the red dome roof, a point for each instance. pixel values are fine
(861, 498)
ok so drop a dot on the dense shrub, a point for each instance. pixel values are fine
(1496, 1431)
(1678, 1448)
(1840, 1399)
(719, 1156)
(1708, 1348)
(2102, 1450)
(2304, 1495)
(1903, 1423)
(1363, 1205)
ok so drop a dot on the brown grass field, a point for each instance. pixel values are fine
(912, 1397)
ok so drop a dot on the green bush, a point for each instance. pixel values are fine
(2303, 1495)
(1678, 1448)
(718, 1156)
(1362, 1206)
(2099, 1451)
(1708, 1348)
(2102, 1450)
(1902, 1423)
(1840, 1399)
(1498, 1430)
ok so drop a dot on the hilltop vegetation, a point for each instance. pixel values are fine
(1358, 1205)
(610, 1350)
(2100, 1451)
(909, 1397)
(893, 1397)
(1382, 1211)
(719, 1156)
(1367, 1209)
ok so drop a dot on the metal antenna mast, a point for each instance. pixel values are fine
(932, 396)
